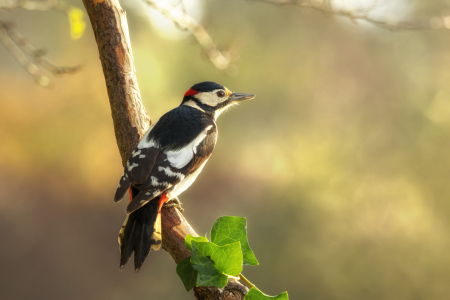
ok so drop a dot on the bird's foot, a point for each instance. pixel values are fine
(174, 202)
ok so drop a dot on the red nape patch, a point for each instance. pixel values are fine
(190, 92)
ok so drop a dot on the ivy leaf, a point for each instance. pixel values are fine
(255, 294)
(189, 238)
(228, 259)
(227, 230)
(208, 274)
(187, 273)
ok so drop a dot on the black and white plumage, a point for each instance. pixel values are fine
(166, 162)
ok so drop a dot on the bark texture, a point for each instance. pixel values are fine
(110, 27)
(131, 121)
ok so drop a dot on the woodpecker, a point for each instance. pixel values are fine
(166, 162)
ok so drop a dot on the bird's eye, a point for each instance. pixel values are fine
(220, 94)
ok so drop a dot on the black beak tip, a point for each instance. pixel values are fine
(238, 97)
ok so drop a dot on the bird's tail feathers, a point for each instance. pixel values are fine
(141, 232)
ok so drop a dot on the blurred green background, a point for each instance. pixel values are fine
(341, 164)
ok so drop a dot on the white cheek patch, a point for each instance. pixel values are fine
(179, 159)
(210, 98)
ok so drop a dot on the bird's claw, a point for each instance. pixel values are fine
(174, 202)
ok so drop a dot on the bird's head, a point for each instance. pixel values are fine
(212, 98)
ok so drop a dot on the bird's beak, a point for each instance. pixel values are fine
(239, 97)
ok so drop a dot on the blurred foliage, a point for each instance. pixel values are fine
(340, 164)
(77, 24)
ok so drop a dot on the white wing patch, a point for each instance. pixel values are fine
(155, 182)
(170, 173)
(131, 167)
(186, 182)
(179, 159)
(147, 144)
(153, 194)
(134, 153)
(150, 195)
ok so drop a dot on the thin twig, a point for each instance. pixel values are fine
(326, 7)
(30, 58)
(222, 60)
(41, 5)
(21, 58)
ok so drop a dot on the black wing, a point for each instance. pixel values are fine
(139, 166)
(156, 166)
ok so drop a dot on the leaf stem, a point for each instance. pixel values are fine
(248, 283)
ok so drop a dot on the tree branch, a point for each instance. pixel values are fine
(111, 33)
(131, 122)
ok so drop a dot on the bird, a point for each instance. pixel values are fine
(166, 161)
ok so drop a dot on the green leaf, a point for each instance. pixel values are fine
(228, 259)
(208, 274)
(255, 294)
(215, 263)
(187, 273)
(189, 238)
(227, 230)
